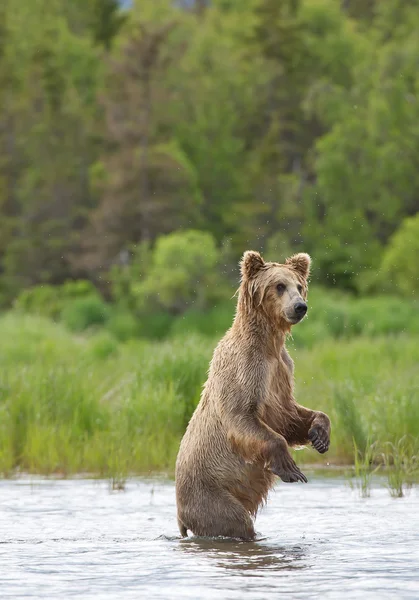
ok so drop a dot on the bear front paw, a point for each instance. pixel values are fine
(319, 438)
(288, 471)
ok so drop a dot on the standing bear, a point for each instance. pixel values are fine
(239, 436)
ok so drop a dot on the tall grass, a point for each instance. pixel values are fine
(364, 468)
(402, 462)
(90, 404)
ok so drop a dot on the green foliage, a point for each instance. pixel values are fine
(213, 322)
(400, 258)
(274, 124)
(48, 114)
(73, 404)
(366, 175)
(103, 345)
(124, 277)
(331, 315)
(50, 301)
(42, 300)
(84, 313)
(106, 20)
(155, 326)
(182, 273)
(123, 325)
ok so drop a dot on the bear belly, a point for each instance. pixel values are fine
(252, 487)
(208, 465)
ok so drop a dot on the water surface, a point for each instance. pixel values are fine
(75, 539)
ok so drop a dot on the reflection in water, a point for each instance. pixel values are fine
(247, 556)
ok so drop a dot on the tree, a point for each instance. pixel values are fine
(106, 21)
(8, 158)
(306, 47)
(272, 124)
(148, 186)
(49, 124)
(213, 86)
(366, 165)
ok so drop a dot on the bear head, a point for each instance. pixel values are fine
(277, 290)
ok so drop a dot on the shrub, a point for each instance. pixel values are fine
(84, 313)
(123, 325)
(49, 301)
(43, 300)
(124, 278)
(336, 315)
(400, 262)
(183, 273)
(103, 345)
(155, 326)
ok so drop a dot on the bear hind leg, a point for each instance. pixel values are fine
(183, 530)
(218, 515)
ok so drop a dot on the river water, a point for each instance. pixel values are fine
(76, 539)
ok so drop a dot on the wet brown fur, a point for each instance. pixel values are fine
(247, 416)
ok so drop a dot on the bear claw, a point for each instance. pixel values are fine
(319, 439)
(291, 476)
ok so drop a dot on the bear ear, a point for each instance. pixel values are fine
(251, 263)
(301, 263)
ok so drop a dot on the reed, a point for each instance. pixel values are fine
(401, 459)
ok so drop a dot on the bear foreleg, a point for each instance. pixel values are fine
(312, 427)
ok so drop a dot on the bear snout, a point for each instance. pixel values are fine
(300, 309)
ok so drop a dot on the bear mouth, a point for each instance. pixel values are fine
(294, 319)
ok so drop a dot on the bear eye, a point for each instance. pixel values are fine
(281, 287)
(299, 288)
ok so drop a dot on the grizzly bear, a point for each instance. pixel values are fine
(239, 436)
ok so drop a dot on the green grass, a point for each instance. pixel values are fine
(365, 466)
(72, 404)
(402, 465)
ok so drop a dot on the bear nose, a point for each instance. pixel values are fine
(300, 309)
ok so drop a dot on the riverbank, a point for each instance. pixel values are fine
(72, 404)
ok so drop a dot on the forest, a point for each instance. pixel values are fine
(281, 125)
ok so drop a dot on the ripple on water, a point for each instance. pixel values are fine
(66, 539)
